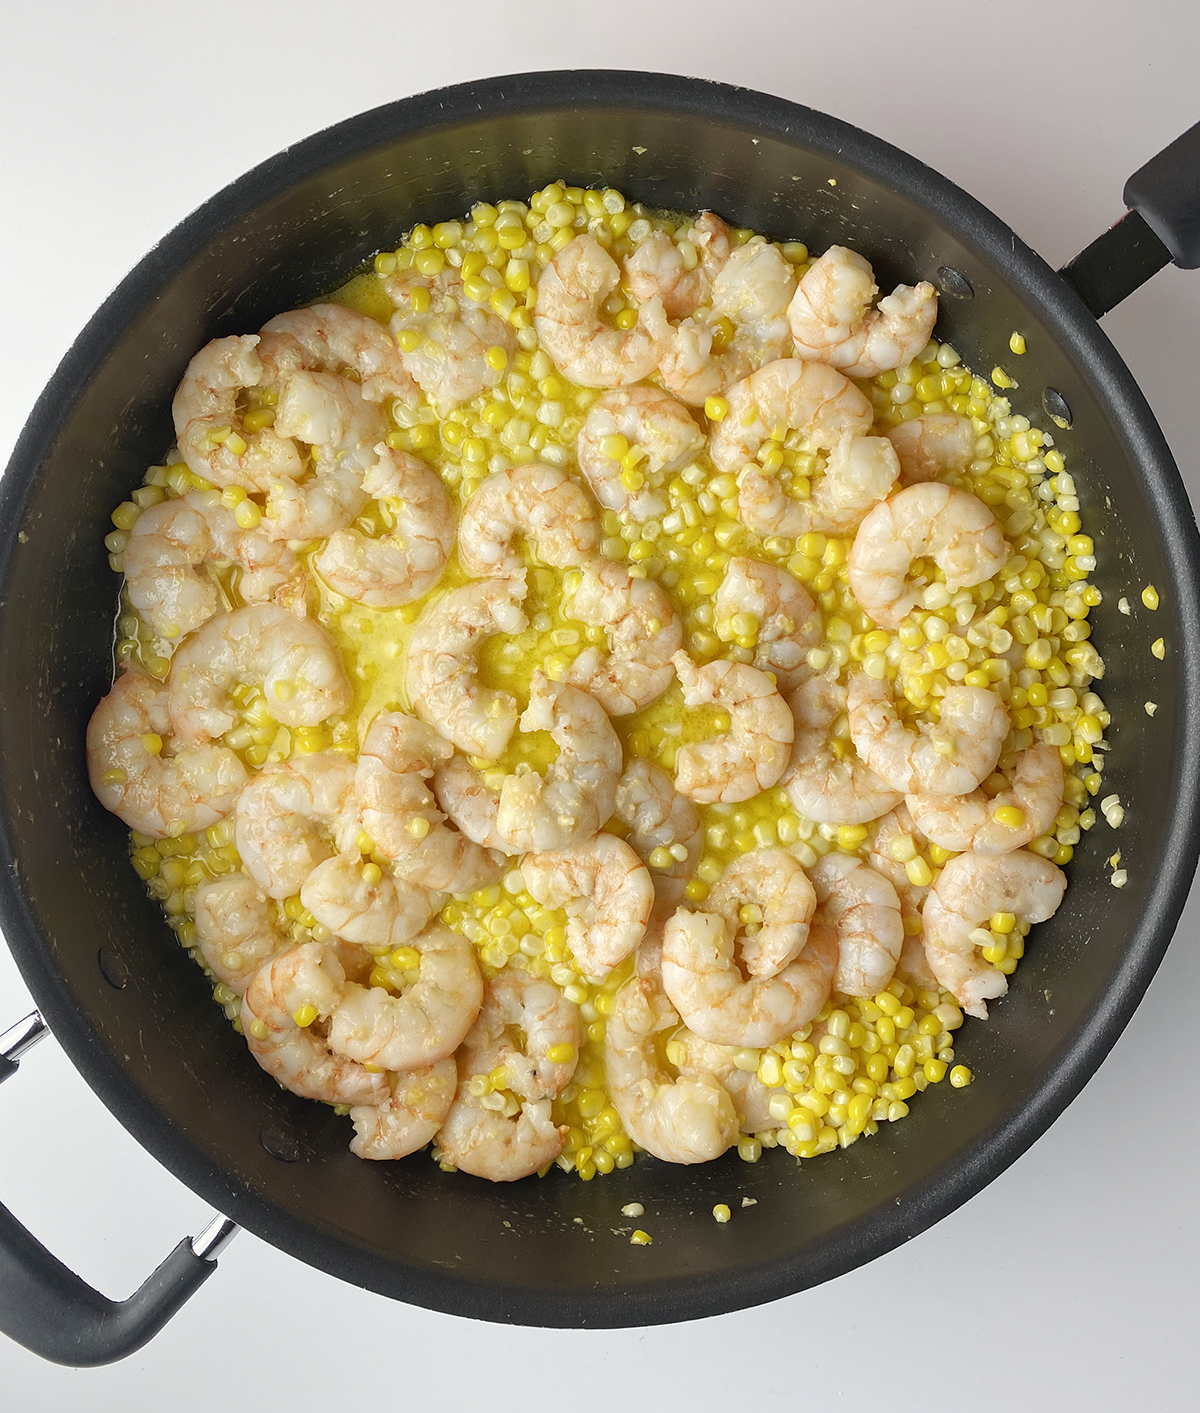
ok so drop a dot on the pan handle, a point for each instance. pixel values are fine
(1162, 225)
(48, 1309)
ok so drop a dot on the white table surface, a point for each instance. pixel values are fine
(1069, 1282)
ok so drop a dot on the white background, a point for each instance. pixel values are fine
(1069, 1283)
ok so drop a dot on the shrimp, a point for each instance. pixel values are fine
(400, 815)
(408, 560)
(822, 784)
(577, 795)
(287, 816)
(171, 539)
(833, 322)
(442, 677)
(553, 511)
(304, 980)
(865, 909)
(235, 930)
(658, 266)
(426, 1022)
(156, 794)
(932, 447)
(753, 753)
(606, 891)
(567, 317)
(949, 757)
(646, 420)
(488, 1143)
(294, 660)
(702, 980)
(409, 1117)
(786, 620)
(466, 799)
(643, 631)
(751, 1097)
(859, 473)
(961, 822)
(389, 912)
(662, 822)
(684, 1119)
(771, 884)
(968, 891)
(806, 397)
(336, 339)
(892, 845)
(953, 527)
(516, 1004)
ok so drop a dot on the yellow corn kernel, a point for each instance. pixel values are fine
(1017, 342)
(305, 1015)
(561, 1054)
(960, 1076)
(716, 409)
(371, 873)
(258, 418)
(1002, 922)
(641, 1238)
(1150, 596)
(418, 826)
(1010, 816)
(1158, 648)
(920, 875)
(247, 514)
(152, 743)
(405, 958)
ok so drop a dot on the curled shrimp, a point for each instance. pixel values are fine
(806, 397)
(949, 757)
(488, 1143)
(400, 815)
(405, 562)
(953, 527)
(823, 783)
(864, 909)
(680, 1119)
(467, 800)
(787, 622)
(409, 1117)
(648, 422)
(156, 794)
(751, 1097)
(294, 815)
(701, 977)
(659, 267)
(570, 327)
(577, 794)
(541, 502)
(293, 659)
(449, 357)
(336, 339)
(932, 447)
(386, 912)
(235, 930)
(606, 891)
(753, 753)
(171, 540)
(859, 473)
(970, 888)
(962, 822)
(442, 675)
(664, 830)
(643, 631)
(771, 885)
(833, 322)
(308, 978)
(516, 1004)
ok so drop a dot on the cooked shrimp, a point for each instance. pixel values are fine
(961, 822)
(293, 816)
(701, 977)
(646, 420)
(805, 397)
(400, 815)
(787, 621)
(664, 829)
(949, 757)
(892, 846)
(487, 1143)
(859, 472)
(577, 794)
(553, 511)
(864, 908)
(386, 913)
(168, 543)
(833, 322)
(751, 1097)
(933, 446)
(235, 930)
(658, 267)
(953, 527)
(467, 800)
(823, 784)
(567, 317)
(684, 1119)
(968, 891)
(643, 631)
(770, 884)
(449, 357)
(409, 1117)
(336, 339)
(156, 794)
(293, 659)
(442, 675)
(422, 1025)
(304, 980)
(606, 891)
(753, 753)
(516, 1004)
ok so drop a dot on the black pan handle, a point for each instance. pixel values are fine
(49, 1310)
(1163, 225)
